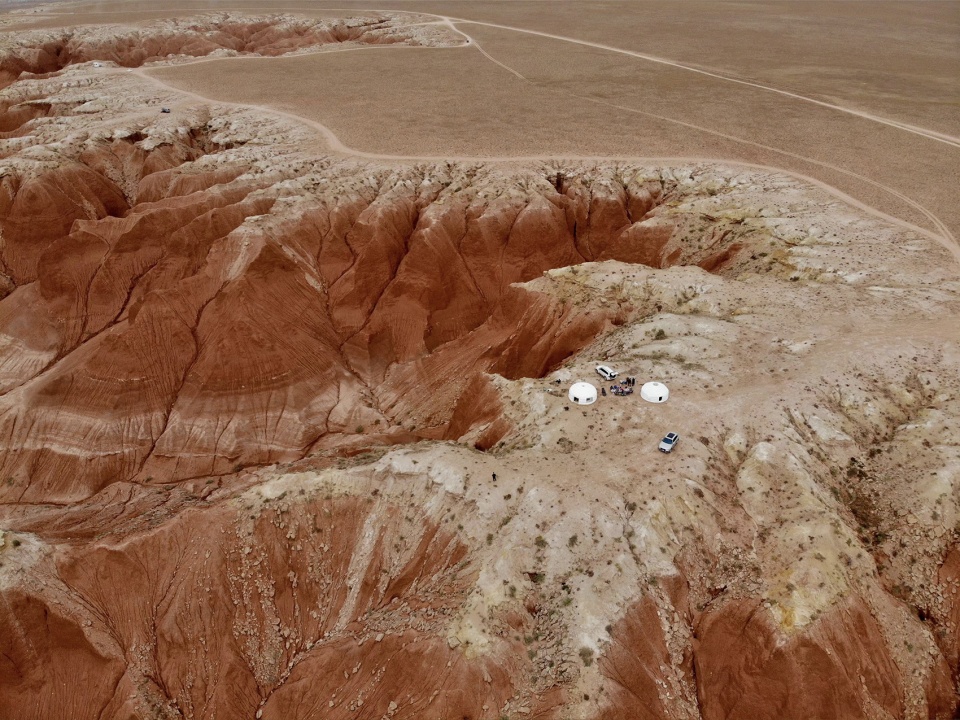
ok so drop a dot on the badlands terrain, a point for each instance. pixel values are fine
(284, 426)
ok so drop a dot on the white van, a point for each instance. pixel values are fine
(607, 373)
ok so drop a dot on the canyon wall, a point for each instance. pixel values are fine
(285, 434)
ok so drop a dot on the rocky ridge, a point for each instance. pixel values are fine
(253, 400)
(225, 34)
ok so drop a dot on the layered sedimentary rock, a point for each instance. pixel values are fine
(223, 34)
(326, 607)
(839, 669)
(285, 435)
(188, 318)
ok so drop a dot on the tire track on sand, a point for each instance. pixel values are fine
(943, 235)
(906, 127)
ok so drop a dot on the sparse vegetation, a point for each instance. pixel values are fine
(733, 353)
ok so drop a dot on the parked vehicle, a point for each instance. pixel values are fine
(669, 442)
(607, 373)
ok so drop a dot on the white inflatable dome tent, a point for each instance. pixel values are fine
(583, 393)
(655, 392)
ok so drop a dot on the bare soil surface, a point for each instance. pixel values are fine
(737, 105)
(288, 365)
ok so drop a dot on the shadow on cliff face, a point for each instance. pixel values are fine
(40, 208)
(172, 319)
(15, 116)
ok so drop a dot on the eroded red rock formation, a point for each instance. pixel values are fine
(643, 680)
(180, 327)
(178, 309)
(290, 609)
(839, 668)
(949, 580)
(44, 52)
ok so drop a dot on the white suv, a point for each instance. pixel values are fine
(669, 442)
(606, 373)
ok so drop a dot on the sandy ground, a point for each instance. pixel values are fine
(637, 114)
(895, 58)
(861, 97)
(844, 345)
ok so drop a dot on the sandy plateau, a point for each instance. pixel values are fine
(284, 426)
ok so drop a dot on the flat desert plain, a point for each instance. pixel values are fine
(737, 81)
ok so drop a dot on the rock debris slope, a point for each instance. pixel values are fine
(285, 435)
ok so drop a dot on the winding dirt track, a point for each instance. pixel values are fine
(228, 327)
(943, 232)
(923, 132)
(937, 229)
(944, 237)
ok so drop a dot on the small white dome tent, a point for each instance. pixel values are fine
(655, 392)
(583, 393)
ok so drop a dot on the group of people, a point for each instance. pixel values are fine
(622, 388)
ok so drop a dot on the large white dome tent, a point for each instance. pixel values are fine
(583, 393)
(655, 392)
